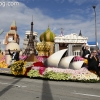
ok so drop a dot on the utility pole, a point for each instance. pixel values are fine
(94, 7)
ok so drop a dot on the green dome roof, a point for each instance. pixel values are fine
(47, 36)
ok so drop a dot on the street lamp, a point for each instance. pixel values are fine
(95, 27)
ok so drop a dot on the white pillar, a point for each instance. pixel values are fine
(56, 47)
(70, 53)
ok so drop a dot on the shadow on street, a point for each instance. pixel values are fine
(46, 91)
(9, 86)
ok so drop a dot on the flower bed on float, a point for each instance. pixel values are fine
(82, 75)
(38, 70)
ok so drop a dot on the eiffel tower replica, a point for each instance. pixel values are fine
(30, 49)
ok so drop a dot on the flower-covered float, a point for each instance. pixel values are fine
(60, 67)
(56, 67)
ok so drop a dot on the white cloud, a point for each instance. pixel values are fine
(23, 16)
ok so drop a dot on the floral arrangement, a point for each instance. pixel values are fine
(38, 64)
(34, 73)
(56, 75)
(82, 74)
(18, 68)
(42, 58)
(40, 69)
(3, 59)
(23, 57)
(3, 64)
(79, 58)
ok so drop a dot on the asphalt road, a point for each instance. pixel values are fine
(21, 88)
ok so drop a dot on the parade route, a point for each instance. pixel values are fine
(23, 88)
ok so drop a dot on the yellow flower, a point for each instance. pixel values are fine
(86, 61)
(18, 68)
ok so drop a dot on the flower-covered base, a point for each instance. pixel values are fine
(82, 75)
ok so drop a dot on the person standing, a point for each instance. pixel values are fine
(86, 51)
(98, 54)
(14, 55)
(93, 62)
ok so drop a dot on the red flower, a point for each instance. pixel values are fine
(39, 64)
(27, 70)
(41, 70)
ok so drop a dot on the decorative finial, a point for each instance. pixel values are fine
(62, 32)
(48, 26)
(32, 25)
(80, 34)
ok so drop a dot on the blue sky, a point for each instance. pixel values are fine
(71, 15)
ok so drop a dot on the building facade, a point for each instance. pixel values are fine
(72, 42)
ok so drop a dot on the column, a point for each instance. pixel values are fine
(56, 47)
(70, 53)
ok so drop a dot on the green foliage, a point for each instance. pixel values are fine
(49, 75)
(33, 73)
(56, 75)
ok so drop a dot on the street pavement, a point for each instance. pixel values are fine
(24, 88)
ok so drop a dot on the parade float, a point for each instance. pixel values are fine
(48, 64)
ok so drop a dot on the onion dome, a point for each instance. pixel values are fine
(47, 36)
(43, 46)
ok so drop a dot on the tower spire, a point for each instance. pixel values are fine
(32, 25)
(48, 25)
(62, 32)
(80, 34)
(31, 47)
(13, 26)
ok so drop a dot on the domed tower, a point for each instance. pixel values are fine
(12, 35)
(43, 48)
(48, 37)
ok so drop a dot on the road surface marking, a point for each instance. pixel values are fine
(88, 95)
(13, 84)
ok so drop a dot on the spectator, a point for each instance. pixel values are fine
(98, 54)
(93, 62)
